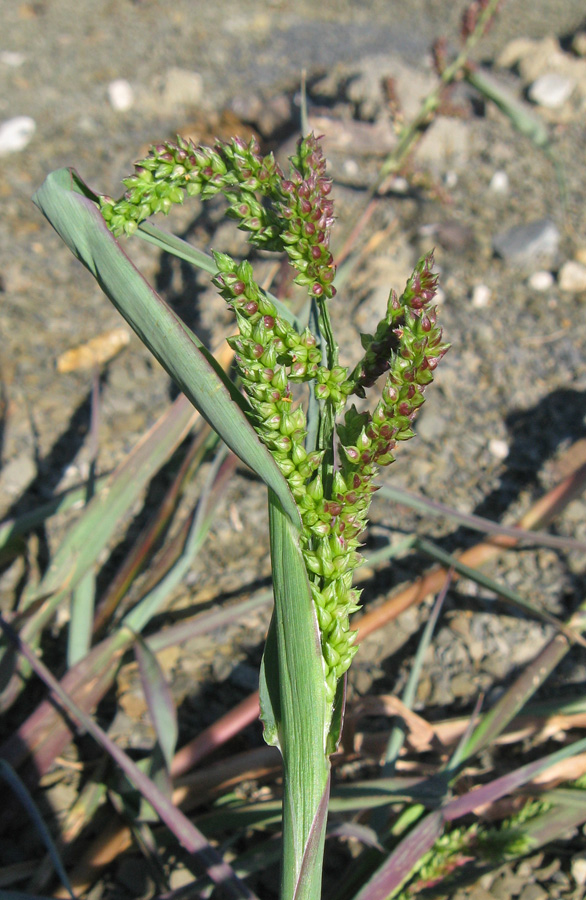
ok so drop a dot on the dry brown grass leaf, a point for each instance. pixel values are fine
(96, 352)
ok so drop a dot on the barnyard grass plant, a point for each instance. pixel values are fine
(288, 413)
(320, 463)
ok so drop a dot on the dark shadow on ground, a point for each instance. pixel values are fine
(537, 435)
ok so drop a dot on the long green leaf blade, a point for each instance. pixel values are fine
(91, 533)
(159, 699)
(10, 529)
(293, 704)
(64, 200)
(164, 240)
(82, 615)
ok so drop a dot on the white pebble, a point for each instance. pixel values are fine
(541, 281)
(451, 179)
(12, 58)
(428, 230)
(183, 88)
(572, 277)
(120, 94)
(579, 869)
(499, 183)
(399, 184)
(15, 134)
(481, 296)
(498, 448)
(551, 90)
(351, 168)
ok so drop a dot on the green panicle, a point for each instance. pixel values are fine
(295, 215)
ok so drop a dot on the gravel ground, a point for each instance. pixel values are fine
(510, 395)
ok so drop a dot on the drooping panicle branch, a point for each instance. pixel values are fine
(176, 169)
(296, 217)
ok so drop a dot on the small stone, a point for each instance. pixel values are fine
(366, 674)
(179, 877)
(572, 277)
(507, 885)
(351, 168)
(247, 106)
(498, 448)
(579, 43)
(560, 878)
(274, 114)
(424, 688)
(12, 58)
(522, 652)
(551, 90)
(428, 230)
(580, 255)
(497, 666)
(481, 296)
(130, 732)
(533, 892)
(463, 685)
(409, 621)
(453, 235)
(528, 866)
(446, 140)
(526, 243)
(540, 57)
(183, 87)
(133, 703)
(442, 691)
(541, 280)
(476, 653)
(398, 185)
(460, 623)
(222, 667)
(120, 95)
(61, 796)
(328, 87)
(479, 893)
(15, 134)
(499, 183)
(579, 869)
(17, 474)
(431, 425)
(514, 51)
